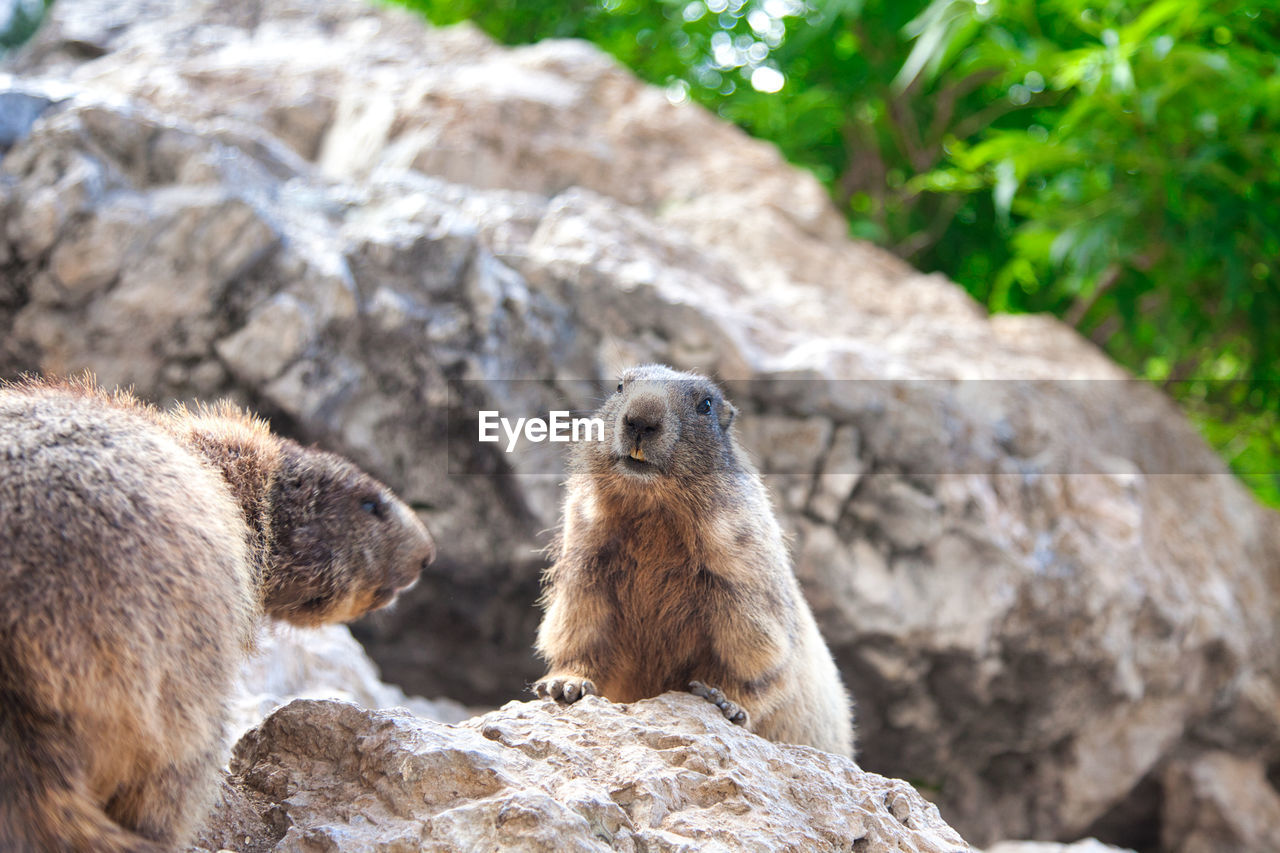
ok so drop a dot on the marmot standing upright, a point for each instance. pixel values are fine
(137, 550)
(670, 573)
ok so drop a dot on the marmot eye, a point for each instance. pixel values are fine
(373, 506)
(619, 387)
(704, 407)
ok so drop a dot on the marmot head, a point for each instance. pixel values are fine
(662, 425)
(341, 543)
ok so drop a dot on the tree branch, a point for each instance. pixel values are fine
(947, 100)
(927, 237)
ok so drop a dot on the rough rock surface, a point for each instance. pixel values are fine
(290, 663)
(1056, 610)
(665, 774)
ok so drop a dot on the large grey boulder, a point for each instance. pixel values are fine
(1049, 597)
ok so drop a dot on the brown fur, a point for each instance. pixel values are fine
(670, 568)
(137, 551)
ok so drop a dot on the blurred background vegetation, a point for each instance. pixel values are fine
(1115, 163)
(18, 21)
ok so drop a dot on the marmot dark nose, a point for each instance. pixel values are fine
(641, 426)
(428, 554)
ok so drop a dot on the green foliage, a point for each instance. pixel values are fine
(1133, 191)
(19, 20)
(1116, 163)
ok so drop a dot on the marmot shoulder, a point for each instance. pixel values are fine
(138, 549)
(670, 572)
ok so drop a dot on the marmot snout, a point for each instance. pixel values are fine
(343, 544)
(644, 427)
(670, 572)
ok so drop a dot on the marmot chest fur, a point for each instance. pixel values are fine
(670, 573)
(137, 551)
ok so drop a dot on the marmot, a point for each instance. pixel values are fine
(670, 573)
(137, 550)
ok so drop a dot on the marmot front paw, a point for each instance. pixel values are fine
(732, 711)
(565, 688)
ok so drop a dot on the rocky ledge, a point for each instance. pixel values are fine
(664, 774)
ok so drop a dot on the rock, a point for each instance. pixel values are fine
(840, 471)
(1042, 586)
(668, 773)
(289, 663)
(242, 821)
(320, 663)
(1219, 801)
(1089, 845)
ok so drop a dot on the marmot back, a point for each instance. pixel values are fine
(670, 572)
(134, 563)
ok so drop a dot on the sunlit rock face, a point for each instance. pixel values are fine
(668, 773)
(1055, 609)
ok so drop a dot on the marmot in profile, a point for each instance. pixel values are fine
(137, 550)
(670, 573)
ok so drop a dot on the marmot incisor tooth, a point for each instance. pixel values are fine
(137, 551)
(670, 573)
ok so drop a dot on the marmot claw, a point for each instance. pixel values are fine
(732, 711)
(566, 690)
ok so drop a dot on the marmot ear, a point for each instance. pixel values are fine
(727, 411)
